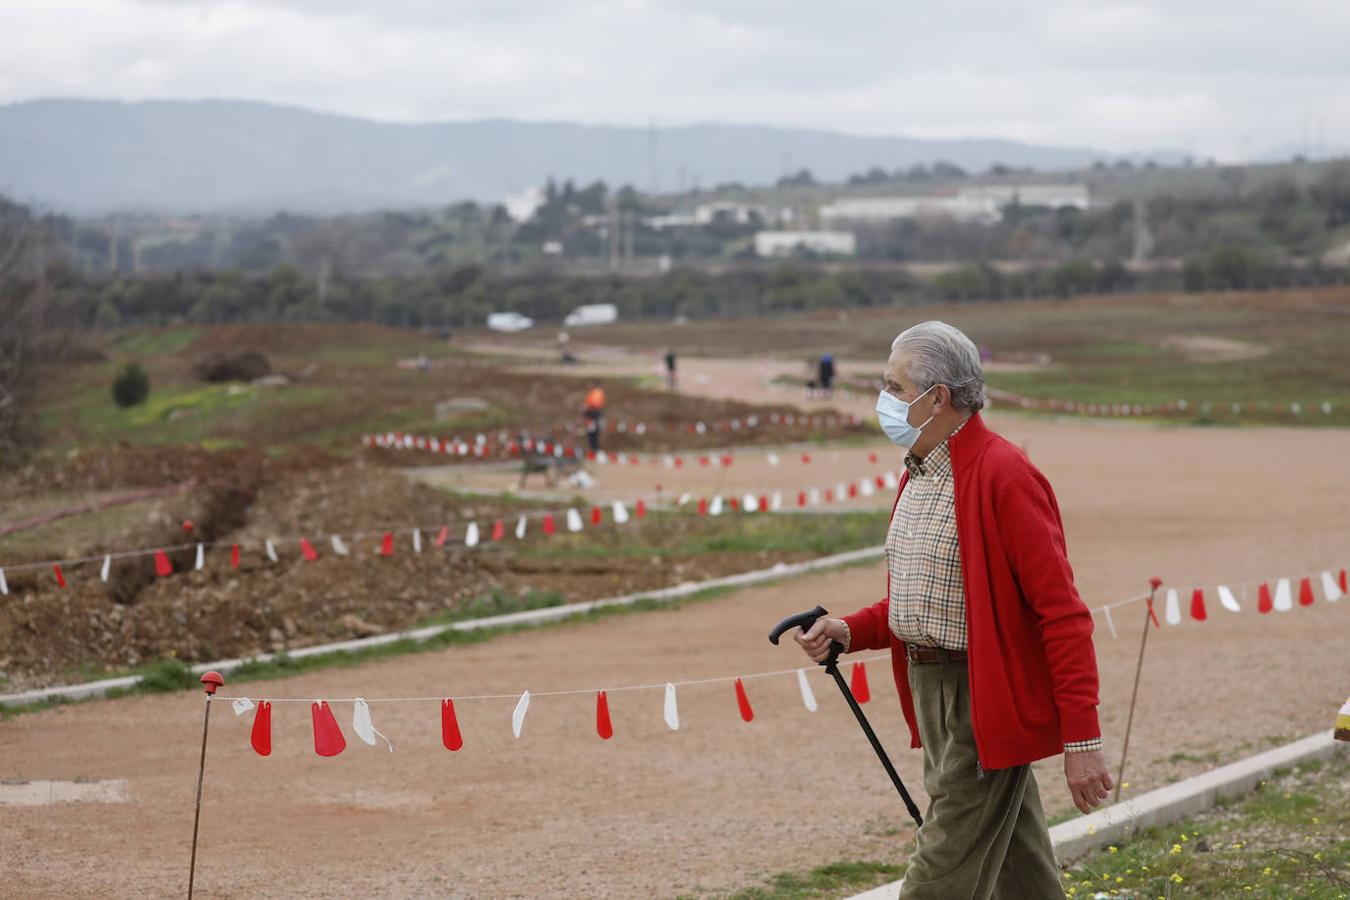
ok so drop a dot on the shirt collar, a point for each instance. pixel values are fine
(939, 459)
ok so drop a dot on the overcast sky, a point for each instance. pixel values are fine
(1214, 79)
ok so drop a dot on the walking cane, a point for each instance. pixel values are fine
(804, 621)
(210, 682)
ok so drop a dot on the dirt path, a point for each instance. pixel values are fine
(719, 804)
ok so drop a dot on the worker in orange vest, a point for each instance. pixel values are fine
(595, 415)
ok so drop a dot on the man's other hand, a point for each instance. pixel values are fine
(1088, 779)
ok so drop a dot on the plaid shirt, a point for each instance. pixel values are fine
(927, 602)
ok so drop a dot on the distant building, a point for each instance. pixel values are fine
(983, 210)
(1047, 196)
(982, 204)
(553, 248)
(825, 243)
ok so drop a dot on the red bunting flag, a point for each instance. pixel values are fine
(703, 460)
(595, 515)
(163, 568)
(1263, 602)
(261, 736)
(726, 459)
(60, 579)
(679, 462)
(872, 458)
(743, 702)
(548, 526)
(763, 503)
(858, 683)
(443, 536)
(801, 498)
(853, 489)
(498, 530)
(1198, 605)
(1344, 588)
(702, 506)
(881, 481)
(806, 457)
(1305, 594)
(234, 556)
(641, 510)
(450, 735)
(307, 550)
(328, 739)
(603, 726)
(735, 504)
(829, 495)
(387, 545)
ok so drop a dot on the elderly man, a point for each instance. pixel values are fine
(990, 643)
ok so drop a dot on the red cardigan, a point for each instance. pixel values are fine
(1033, 669)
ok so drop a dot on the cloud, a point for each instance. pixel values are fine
(1116, 75)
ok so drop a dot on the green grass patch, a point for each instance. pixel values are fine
(154, 341)
(820, 534)
(833, 880)
(1291, 838)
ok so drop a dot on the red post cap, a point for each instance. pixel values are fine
(211, 681)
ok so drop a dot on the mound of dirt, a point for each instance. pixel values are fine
(219, 366)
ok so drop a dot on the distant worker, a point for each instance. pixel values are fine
(595, 415)
(670, 368)
(826, 374)
(564, 348)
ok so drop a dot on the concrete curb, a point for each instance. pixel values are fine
(527, 617)
(1168, 804)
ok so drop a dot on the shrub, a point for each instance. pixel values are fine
(131, 387)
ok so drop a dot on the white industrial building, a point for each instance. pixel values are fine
(786, 243)
(983, 204)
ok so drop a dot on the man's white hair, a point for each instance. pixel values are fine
(941, 354)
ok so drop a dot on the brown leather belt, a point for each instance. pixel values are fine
(933, 654)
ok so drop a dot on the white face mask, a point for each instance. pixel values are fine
(893, 414)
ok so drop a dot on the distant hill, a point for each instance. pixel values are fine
(227, 156)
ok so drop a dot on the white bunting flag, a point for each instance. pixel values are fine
(241, 706)
(518, 716)
(715, 508)
(1284, 596)
(773, 459)
(620, 512)
(865, 487)
(684, 498)
(1173, 614)
(813, 498)
(520, 529)
(271, 551)
(471, 535)
(601, 457)
(776, 501)
(750, 503)
(4, 585)
(1228, 600)
(668, 461)
(201, 557)
(892, 483)
(364, 728)
(417, 540)
(104, 572)
(1110, 623)
(338, 547)
(672, 712)
(573, 520)
(1330, 588)
(808, 697)
(840, 492)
